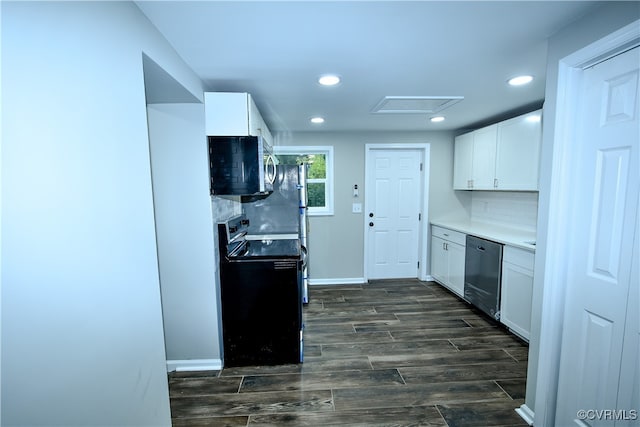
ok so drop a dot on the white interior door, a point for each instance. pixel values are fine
(393, 223)
(602, 273)
(629, 389)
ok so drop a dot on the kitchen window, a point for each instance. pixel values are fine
(319, 177)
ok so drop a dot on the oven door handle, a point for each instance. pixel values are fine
(239, 250)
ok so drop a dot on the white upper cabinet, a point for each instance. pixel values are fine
(475, 159)
(484, 157)
(463, 162)
(518, 152)
(257, 126)
(233, 114)
(503, 156)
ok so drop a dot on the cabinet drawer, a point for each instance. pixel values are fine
(449, 235)
(520, 257)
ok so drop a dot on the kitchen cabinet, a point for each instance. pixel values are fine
(484, 157)
(475, 159)
(463, 162)
(502, 156)
(516, 290)
(447, 258)
(234, 114)
(518, 152)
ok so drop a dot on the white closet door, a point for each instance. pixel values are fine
(602, 269)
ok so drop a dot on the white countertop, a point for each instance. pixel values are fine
(509, 236)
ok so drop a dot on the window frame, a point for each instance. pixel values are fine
(327, 151)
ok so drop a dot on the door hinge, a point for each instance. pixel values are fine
(418, 264)
(420, 167)
(419, 217)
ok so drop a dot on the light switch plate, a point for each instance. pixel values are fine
(356, 208)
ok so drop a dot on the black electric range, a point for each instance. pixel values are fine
(261, 292)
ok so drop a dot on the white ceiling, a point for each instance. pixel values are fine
(276, 50)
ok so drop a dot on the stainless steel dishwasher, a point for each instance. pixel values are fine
(482, 275)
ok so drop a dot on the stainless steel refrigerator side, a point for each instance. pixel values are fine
(282, 214)
(304, 227)
(275, 214)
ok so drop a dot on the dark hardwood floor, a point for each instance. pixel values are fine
(388, 353)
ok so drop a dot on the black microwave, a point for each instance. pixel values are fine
(240, 165)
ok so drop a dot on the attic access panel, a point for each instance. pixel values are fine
(415, 104)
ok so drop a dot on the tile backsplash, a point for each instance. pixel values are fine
(506, 208)
(224, 207)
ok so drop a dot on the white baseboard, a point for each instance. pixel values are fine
(525, 413)
(351, 281)
(339, 281)
(194, 365)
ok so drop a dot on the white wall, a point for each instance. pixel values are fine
(336, 243)
(184, 229)
(82, 336)
(608, 18)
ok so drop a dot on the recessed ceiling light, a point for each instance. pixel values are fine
(534, 119)
(520, 80)
(317, 120)
(329, 80)
(437, 119)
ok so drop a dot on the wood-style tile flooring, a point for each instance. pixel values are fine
(387, 353)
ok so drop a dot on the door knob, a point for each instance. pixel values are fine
(371, 224)
(370, 214)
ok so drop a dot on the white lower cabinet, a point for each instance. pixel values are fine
(516, 290)
(447, 258)
(456, 268)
